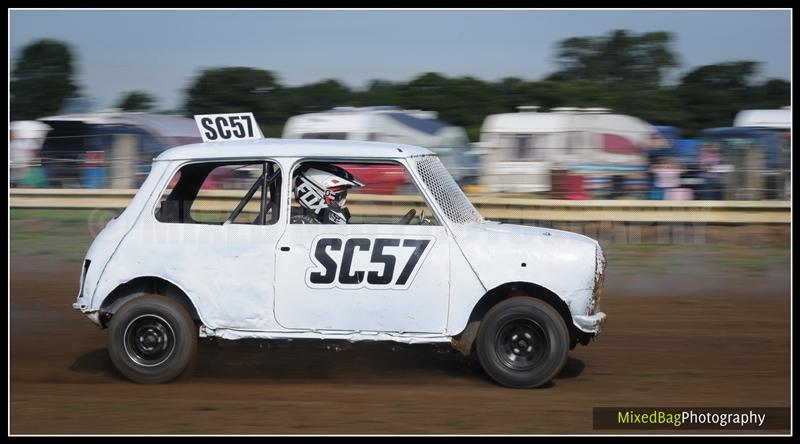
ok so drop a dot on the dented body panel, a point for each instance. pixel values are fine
(564, 263)
(258, 281)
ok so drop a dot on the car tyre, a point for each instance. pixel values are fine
(152, 339)
(522, 342)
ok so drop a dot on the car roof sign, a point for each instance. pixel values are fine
(225, 127)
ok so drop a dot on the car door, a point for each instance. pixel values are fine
(376, 277)
(213, 235)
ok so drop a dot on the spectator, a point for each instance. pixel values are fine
(656, 192)
(656, 148)
(667, 173)
(710, 161)
(93, 169)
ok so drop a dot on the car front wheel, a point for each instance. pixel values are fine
(522, 342)
(152, 339)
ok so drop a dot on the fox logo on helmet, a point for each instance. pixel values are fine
(321, 190)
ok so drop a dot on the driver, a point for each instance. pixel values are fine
(321, 191)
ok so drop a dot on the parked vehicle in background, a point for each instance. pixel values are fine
(778, 121)
(385, 124)
(472, 166)
(109, 149)
(753, 163)
(569, 152)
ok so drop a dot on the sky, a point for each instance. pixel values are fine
(162, 51)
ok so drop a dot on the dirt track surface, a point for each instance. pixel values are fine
(673, 349)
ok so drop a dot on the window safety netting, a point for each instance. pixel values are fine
(445, 190)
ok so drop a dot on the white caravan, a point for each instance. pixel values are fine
(523, 148)
(780, 119)
(385, 124)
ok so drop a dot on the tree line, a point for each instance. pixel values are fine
(623, 71)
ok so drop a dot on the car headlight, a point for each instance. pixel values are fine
(599, 278)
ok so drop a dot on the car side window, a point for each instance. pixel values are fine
(216, 193)
(357, 192)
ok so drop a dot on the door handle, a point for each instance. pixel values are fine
(284, 248)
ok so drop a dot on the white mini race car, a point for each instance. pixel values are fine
(255, 238)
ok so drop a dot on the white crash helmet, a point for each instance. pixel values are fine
(321, 190)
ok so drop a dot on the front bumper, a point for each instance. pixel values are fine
(590, 323)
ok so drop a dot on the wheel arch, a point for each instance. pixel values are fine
(464, 341)
(142, 285)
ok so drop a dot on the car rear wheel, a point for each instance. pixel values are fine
(522, 342)
(152, 339)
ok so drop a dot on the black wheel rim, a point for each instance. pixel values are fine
(521, 344)
(149, 340)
